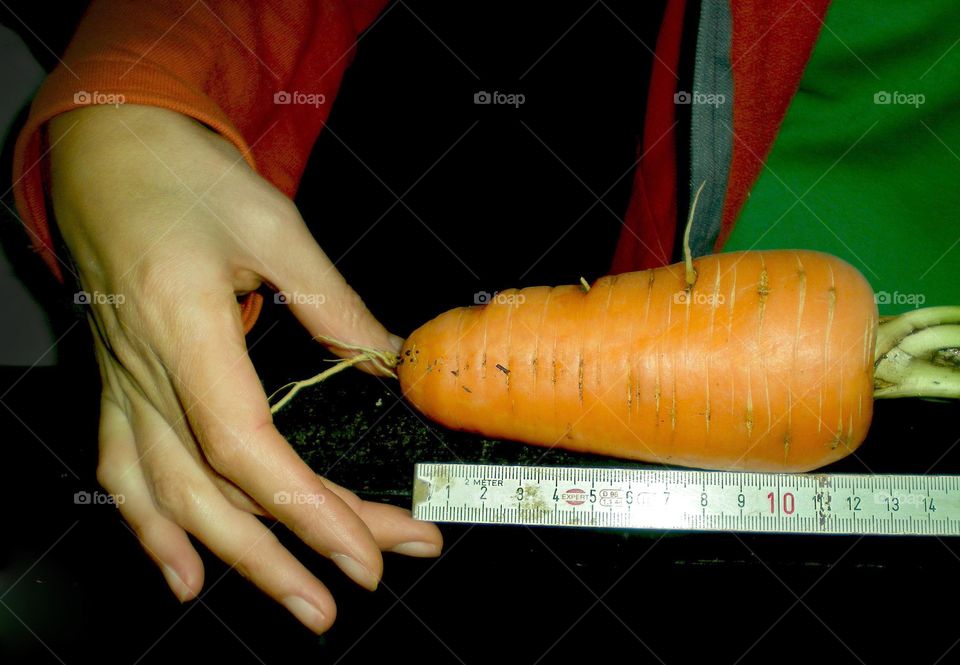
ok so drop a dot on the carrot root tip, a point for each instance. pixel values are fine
(385, 361)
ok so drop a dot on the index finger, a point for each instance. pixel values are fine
(230, 418)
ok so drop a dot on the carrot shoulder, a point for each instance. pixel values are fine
(766, 363)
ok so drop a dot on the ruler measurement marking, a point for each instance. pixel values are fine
(663, 499)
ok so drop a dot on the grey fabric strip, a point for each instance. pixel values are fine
(711, 140)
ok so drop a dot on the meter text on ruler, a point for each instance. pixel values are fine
(688, 500)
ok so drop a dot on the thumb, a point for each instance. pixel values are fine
(328, 307)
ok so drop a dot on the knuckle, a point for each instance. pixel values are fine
(278, 211)
(174, 497)
(272, 221)
(106, 474)
(266, 215)
(353, 312)
(223, 456)
(229, 448)
(352, 309)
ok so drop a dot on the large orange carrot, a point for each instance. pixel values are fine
(764, 363)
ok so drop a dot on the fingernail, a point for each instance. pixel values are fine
(182, 591)
(396, 342)
(356, 571)
(308, 614)
(416, 549)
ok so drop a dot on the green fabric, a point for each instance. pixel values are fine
(880, 182)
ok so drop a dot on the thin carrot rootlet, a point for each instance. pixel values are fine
(761, 360)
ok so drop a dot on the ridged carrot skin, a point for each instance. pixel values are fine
(766, 364)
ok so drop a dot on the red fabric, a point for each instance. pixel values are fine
(771, 44)
(646, 239)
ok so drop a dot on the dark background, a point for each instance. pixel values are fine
(74, 582)
(514, 202)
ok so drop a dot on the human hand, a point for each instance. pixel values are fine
(158, 209)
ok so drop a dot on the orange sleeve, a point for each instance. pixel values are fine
(231, 64)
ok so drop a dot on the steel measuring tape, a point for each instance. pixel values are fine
(688, 500)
